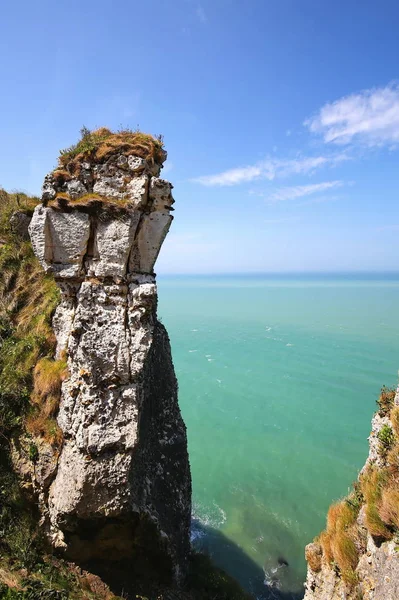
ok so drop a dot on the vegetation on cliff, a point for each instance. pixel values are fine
(101, 144)
(372, 507)
(30, 381)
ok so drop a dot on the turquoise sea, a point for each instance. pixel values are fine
(278, 378)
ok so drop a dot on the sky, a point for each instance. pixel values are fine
(280, 118)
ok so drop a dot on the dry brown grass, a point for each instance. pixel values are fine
(41, 426)
(313, 555)
(61, 176)
(325, 542)
(372, 483)
(394, 417)
(92, 203)
(101, 144)
(374, 523)
(10, 578)
(344, 551)
(389, 506)
(338, 540)
(386, 400)
(340, 516)
(48, 376)
(393, 461)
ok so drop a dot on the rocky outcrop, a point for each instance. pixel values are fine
(376, 573)
(120, 485)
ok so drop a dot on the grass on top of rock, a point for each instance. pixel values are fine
(94, 204)
(100, 144)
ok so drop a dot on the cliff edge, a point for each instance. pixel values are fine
(357, 556)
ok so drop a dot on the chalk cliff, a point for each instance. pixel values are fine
(120, 480)
(357, 557)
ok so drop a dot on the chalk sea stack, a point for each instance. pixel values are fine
(116, 486)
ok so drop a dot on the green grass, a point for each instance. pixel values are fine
(386, 437)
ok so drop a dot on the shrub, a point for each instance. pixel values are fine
(33, 452)
(386, 400)
(386, 438)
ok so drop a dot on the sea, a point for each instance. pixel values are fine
(278, 380)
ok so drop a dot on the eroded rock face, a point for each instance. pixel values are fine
(124, 461)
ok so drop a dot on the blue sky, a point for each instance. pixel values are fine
(280, 117)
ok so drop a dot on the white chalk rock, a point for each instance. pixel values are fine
(39, 232)
(151, 235)
(110, 187)
(114, 239)
(75, 189)
(160, 193)
(69, 234)
(137, 191)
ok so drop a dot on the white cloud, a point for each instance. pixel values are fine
(370, 117)
(320, 200)
(281, 220)
(299, 191)
(201, 14)
(269, 168)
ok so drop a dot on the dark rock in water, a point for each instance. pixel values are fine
(282, 562)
